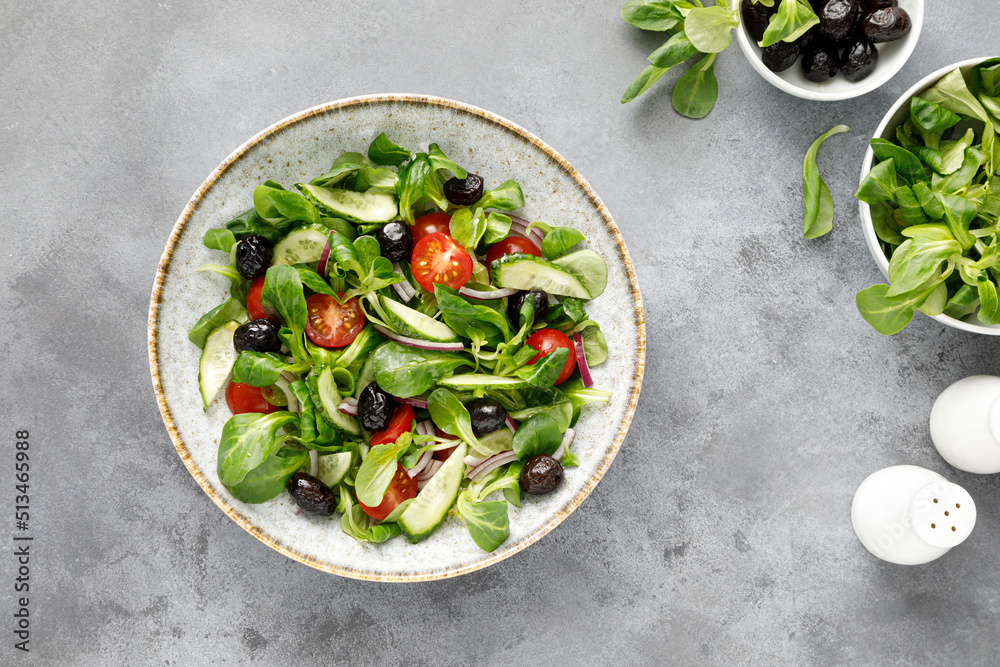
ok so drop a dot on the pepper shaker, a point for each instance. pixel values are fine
(910, 515)
(965, 424)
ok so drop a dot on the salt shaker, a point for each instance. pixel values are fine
(965, 424)
(910, 515)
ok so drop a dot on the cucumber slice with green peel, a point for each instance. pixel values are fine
(354, 206)
(474, 380)
(217, 360)
(333, 467)
(301, 246)
(526, 272)
(415, 324)
(432, 503)
(588, 267)
(330, 399)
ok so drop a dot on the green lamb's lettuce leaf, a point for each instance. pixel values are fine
(497, 227)
(559, 241)
(659, 16)
(537, 436)
(247, 440)
(710, 29)
(231, 310)
(354, 521)
(989, 303)
(792, 20)
(268, 479)
(952, 93)
(219, 239)
(451, 416)
(818, 218)
(276, 205)
(507, 197)
(283, 292)
(407, 371)
(384, 152)
(696, 92)
(907, 164)
(488, 523)
(880, 184)
(262, 369)
(674, 51)
(412, 179)
(377, 470)
(441, 161)
(344, 166)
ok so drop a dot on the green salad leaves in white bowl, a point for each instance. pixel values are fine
(930, 202)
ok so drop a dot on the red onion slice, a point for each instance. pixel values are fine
(534, 235)
(567, 440)
(414, 402)
(491, 463)
(404, 290)
(581, 361)
(486, 295)
(349, 406)
(324, 259)
(425, 427)
(428, 472)
(422, 463)
(511, 424)
(419, 344)
(473, 461)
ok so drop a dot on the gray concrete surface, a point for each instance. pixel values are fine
(721, 534)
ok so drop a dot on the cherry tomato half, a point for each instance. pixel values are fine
(401, 422)
(254, 308)
(243, 398)
(332, 324)
(432, 223)
(443, 454)
(402, 487)
(509, 246)
(437, 258)
(547, 341)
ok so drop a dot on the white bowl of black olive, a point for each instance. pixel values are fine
(829, 49)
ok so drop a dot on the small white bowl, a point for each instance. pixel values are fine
(891, 57)
(887, 130)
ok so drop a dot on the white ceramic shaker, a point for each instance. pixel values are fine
(910, 515)
(965, 424)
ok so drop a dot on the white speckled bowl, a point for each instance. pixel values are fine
(891, 58)
(296, 149)
(896, 115)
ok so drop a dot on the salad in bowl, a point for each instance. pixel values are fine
(398, 346)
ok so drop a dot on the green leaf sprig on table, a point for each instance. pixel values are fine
(935, 205)
(702, 32)
(818, 219)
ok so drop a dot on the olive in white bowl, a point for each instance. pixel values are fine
(854, 63)
(897, 115)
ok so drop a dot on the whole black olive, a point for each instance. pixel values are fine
(886, 25)
(311, 494)
(515, 302)
(257, 336)
(487, 415)
(820, 62)
(541, 474)
(395, 240)
(780, 56)
(859, 59)
(375, 407)
(464, 191)
(869, 6)
(837, 19)
(755, 17)
(253, 256)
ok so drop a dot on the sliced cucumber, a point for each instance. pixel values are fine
(534, 273)
(329, 398)
(333, 467)
(355, 206)
(588, 267)
(217, 361)
(301, 246)
(473, 380)
(415, 324)
(431, 505)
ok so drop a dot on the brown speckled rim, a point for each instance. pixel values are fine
(243, 521)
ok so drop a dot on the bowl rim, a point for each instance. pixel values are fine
(390, 99)
(864, 87)
(868, 227)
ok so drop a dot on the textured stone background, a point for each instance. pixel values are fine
(721, 533)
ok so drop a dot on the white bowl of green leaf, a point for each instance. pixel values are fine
(892, 56)
(930, 212)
